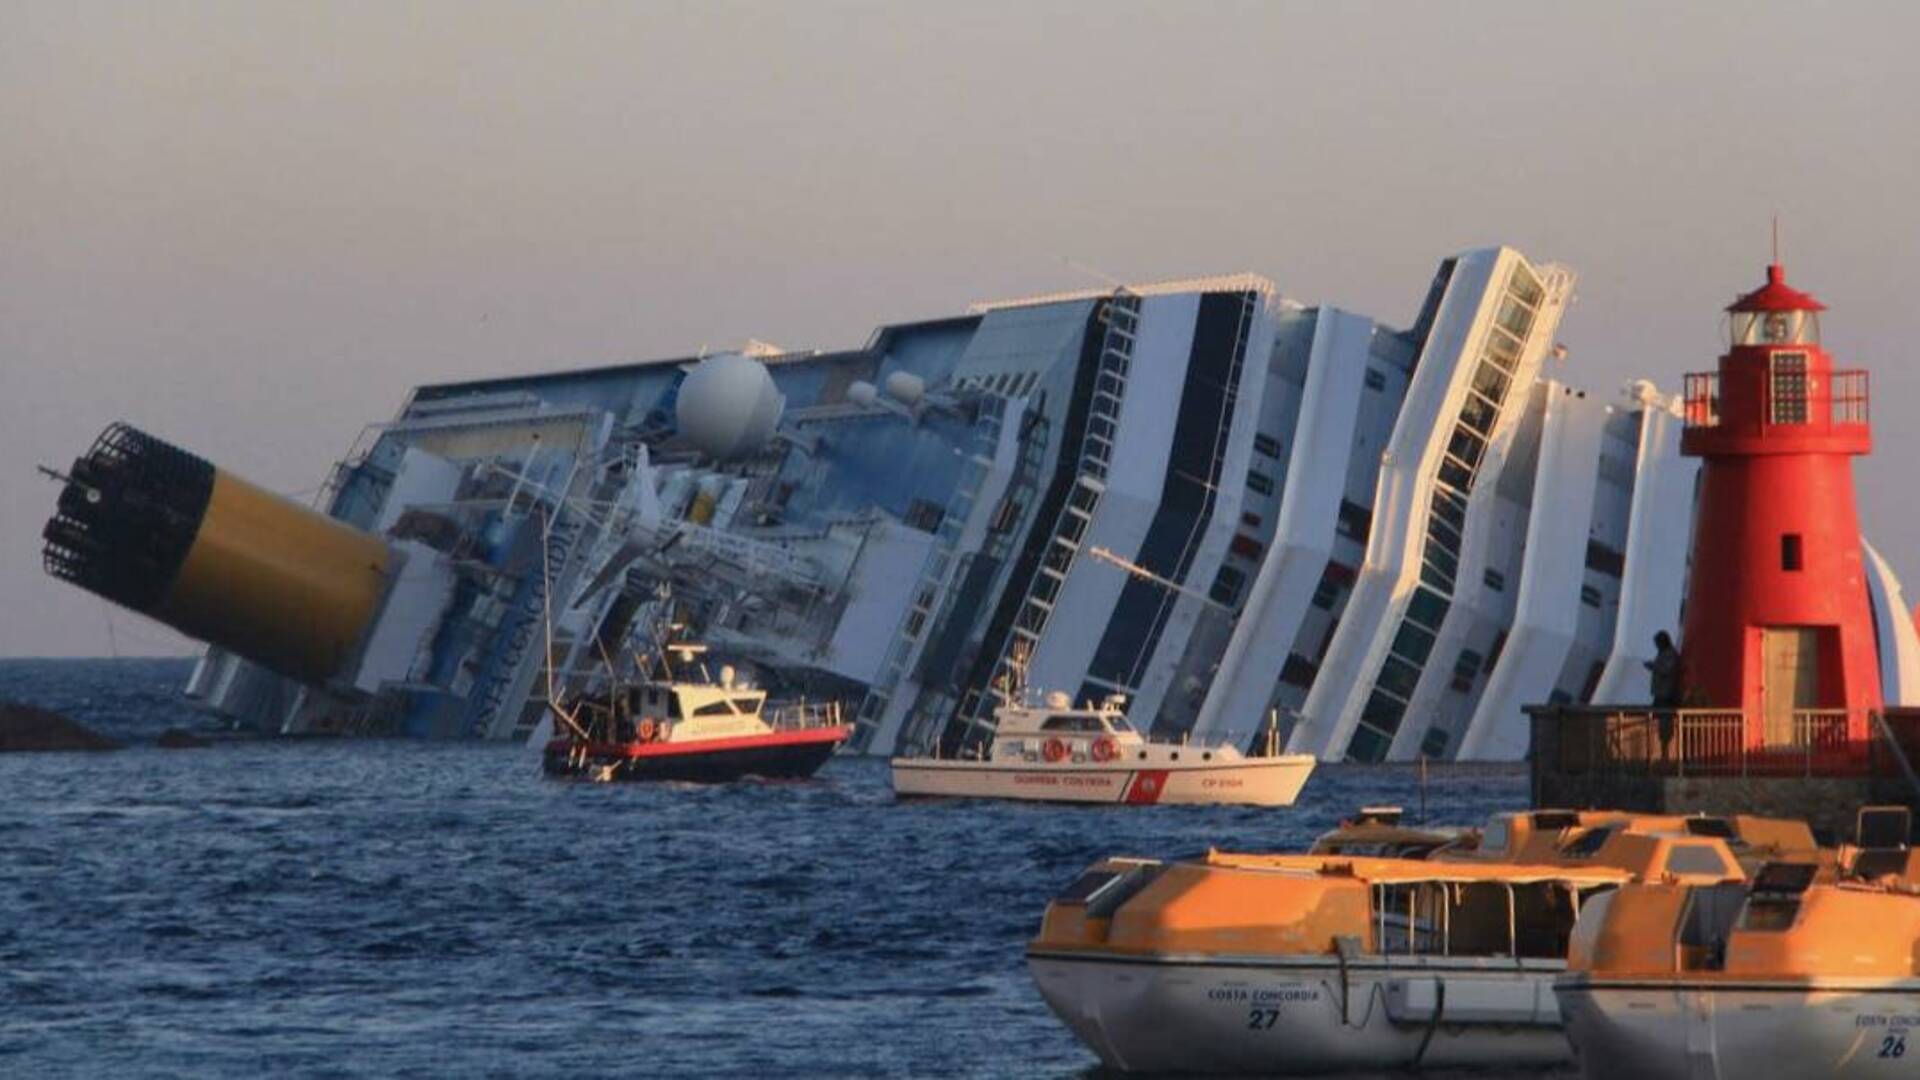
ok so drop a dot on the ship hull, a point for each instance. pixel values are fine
(1659, 1031)
(777, 756)
(1250, 781)
(1291, 1016)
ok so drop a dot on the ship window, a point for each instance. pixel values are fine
(1259, 483)
(1071, 723)
(1298, 671)
(1590, 596)
(1516, 317)
(1382, 711)
(714, 708)
(1367, 745)
(1399, 677)
(1489, 380)
(1354, 520)
(1267, 445)
(1790, 551)
(1435, 742)
(1413, 642)
(1524, 285)
(1427, 608)
(1325, 594)
(1502, 349)
(1605, 560)
(1375, 380)
(1478, 413)
(1495, 580)
(1226, 586)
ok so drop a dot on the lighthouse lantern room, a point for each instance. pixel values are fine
(1778, 623)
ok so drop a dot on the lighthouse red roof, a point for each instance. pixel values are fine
(1777, 295)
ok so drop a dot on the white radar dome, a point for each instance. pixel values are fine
(906, 386)
(728, 405)
(863, 394)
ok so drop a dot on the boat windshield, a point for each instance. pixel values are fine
(1071, 722)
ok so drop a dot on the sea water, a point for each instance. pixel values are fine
(359, 908)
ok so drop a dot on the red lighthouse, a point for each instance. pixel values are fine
(1778, 623)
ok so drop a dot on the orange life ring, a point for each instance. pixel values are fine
(1054, 750)
(1105, 749)
(646, 730)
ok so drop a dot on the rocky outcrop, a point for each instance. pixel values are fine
(28, 727)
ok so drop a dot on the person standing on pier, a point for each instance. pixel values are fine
(1666, 670)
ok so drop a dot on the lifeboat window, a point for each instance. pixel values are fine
(1588, 843)
(1496, 837)
(1554, 820)
(1710, 826)
(1711, 912)
(1775, 901)
(1695, 859)
(1087, 886)
(1481, 918)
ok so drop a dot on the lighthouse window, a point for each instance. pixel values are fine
(1789, 405)
(1790, 551)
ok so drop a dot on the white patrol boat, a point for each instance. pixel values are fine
(1053, 752)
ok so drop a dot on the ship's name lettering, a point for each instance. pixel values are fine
(1214, 783)
(1272, 996)
(1901, 1020)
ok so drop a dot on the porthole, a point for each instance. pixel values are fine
(1143, 755)
(1176, 755)
(1208, 756)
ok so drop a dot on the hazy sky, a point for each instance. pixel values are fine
(249, 228)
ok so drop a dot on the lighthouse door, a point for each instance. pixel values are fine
(1790, 678)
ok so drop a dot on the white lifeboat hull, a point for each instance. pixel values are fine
(1263, 781)
(1655, 1031)
(1291, 1016)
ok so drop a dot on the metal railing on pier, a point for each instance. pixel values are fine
(1598, 740)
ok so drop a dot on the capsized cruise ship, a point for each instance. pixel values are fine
(1227, 507)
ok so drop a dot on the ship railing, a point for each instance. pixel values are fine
(1081, 741)
(802, 715)
(1601, 740)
